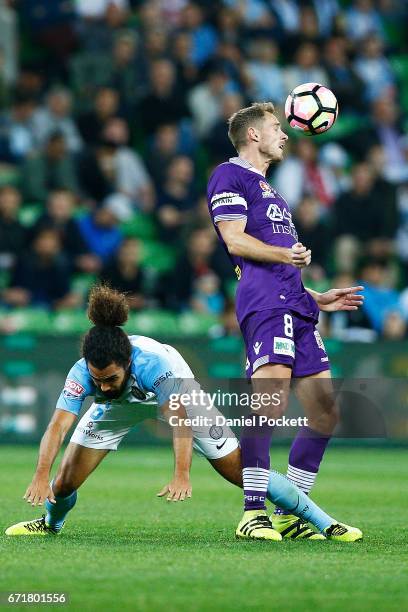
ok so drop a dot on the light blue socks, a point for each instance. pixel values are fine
(289, 497)
(57, 512)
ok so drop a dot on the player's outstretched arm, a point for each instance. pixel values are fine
(180, 486)
(39, 489)
(347, 298)
(243, 245)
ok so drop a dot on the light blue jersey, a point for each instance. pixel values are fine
(156, 372)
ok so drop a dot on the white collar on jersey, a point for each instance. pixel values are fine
(244, 164)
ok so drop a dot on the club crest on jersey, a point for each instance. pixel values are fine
(266, 189)
(73, 388)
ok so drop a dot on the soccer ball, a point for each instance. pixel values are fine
(312, 108)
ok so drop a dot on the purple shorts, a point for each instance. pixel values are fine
(283, 336)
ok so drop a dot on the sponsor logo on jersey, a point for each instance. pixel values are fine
(319, 340)
(278, 216)
(275, 213)
(73, 388)
(257, 347)
(90, 434)
(237, 271)
(162, 378)
(283, 346)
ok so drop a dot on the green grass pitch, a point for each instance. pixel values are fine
(123, 548)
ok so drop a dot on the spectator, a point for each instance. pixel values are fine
(205, 100)
(176, 199)
(386, 194)
(218, 143)
(229, 59)
(307, 32)
(334, 158)
(394, 326)
(98, 21)
(92, 123)
(55, 117)
(12, 233)
(254, 14)
(100, 229)
(163, 103)
(155, 44)
(207, 297)
(193, 263)
(380, 296)
(126, 70)
(306, 68)
(313, 230)
(353, 209)
(52, 169)
(362, 19)
(229, 26)
(374, 69)
(59, 216)
(97, 173)
(8, 37)
(165, 145)
(171, 11)
(41, 276)
(51, 27)
(123, 272)
(130, 174)
(17, 135)
(31, 82)
(402, 232)
(287, 12)
(342, 77)
(386, 132)
(327, 12)
(302, 174)
(265, 79)
(352, 325)
(186, 72)
(203, 36)
(360, 221)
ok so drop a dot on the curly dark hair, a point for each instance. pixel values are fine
(106, 342)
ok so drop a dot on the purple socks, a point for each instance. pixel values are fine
(255, 444)
(305, 456)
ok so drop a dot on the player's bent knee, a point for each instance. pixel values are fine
(325, 422)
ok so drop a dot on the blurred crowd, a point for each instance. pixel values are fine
(113, 114)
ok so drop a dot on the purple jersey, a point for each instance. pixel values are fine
(236, 190)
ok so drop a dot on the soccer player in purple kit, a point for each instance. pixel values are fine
(276, 313)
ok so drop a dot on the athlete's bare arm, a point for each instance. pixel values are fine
(39, 489)
(243, 245)
(180, 487)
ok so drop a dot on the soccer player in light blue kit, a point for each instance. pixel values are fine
(129, 376)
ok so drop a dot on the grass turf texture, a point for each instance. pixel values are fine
(124, 548)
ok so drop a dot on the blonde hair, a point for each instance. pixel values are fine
(240, 121)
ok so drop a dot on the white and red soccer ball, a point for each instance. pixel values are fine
(311, 108)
